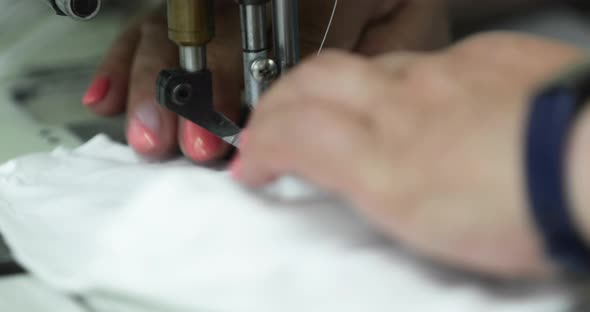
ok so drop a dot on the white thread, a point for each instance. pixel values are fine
(329, 26)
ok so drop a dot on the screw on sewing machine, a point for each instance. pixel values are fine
(182, 94)
(264, 70)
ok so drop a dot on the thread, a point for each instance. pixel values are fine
(328, 28)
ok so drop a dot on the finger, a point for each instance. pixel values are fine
(107, 94)
(225, 63)
(407, 25)
(151, 129)
(299, 94)
(300, 125)
(394, 62)
(340, 79)
(307, 119)
(326, 146)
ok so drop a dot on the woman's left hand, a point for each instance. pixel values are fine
(428, 146)
(125, 81)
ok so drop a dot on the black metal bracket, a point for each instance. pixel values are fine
(190, 95)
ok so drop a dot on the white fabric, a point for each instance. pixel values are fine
(98, 220)
(27, 294)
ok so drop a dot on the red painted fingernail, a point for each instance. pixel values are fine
(235, 168)
(199, 144)
(97, 91)
(149, 116)
(140, 137)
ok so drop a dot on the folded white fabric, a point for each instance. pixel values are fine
(99, 221)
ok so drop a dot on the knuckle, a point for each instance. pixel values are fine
(153, 28)
(428, 82)
(145, 73)
(131, 34)
(482, 42)
(418, 73)
(122, 46)
(423, 76)
(331, 64)
(154, 20)
(494, 45)
(497, 44)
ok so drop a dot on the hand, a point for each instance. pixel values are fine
(126, 79)
(427, 146)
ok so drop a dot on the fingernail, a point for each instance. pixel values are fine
(97, 91)
(148, 115)
(235, 168)
(200, 144)
(143, 129)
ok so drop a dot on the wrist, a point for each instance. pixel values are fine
(578, 172)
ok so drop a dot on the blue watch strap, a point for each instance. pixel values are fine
(552, 116)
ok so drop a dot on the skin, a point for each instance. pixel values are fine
(428, 146)
(369, 27)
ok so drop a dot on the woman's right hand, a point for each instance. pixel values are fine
(428, 146)
(125, 82)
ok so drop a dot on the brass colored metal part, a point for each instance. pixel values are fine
(191, 22)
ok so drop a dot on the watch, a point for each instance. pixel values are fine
(553, 112)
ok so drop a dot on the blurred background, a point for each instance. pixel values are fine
(47, 62)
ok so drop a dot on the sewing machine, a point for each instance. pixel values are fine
(23, 133)
(188, 91)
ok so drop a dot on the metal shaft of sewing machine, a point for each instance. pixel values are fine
(259, 69)
(286, 33)
(191, 26)
(188, 92)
